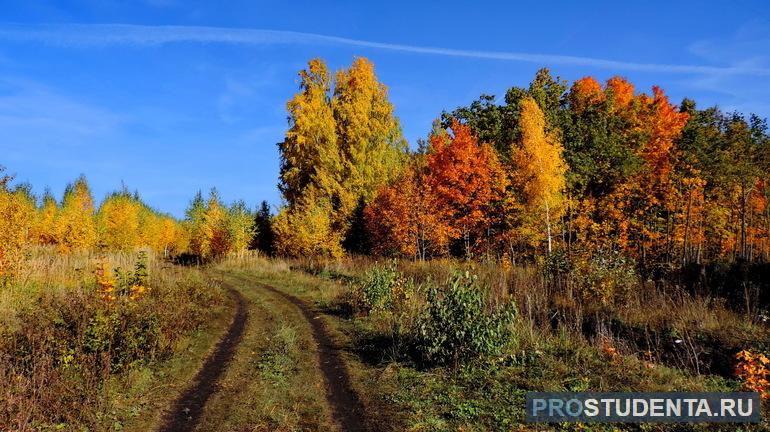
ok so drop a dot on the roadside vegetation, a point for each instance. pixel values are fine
(490, 345)
(92, 342)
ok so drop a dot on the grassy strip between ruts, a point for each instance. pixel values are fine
(480, 395)
(273, 382)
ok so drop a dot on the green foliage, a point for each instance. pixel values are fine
(376, 288)
(498, 125)
(457, 325)
(122, 336)
(604, 276)
(140, 269)
(128, 279)
(63, 346)
(264, 237)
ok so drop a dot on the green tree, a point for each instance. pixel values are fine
(264, 238)
(240, 227)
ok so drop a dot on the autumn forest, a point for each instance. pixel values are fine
(577, 236)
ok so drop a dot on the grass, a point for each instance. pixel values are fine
(487, 394)
(54, 379)
(70, 360)
(273, 383)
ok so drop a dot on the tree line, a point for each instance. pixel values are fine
(121, 222)
(550, 170)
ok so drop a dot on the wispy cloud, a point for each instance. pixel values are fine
(748, 47)
(43, 127)
(127, 34)
(29, 105)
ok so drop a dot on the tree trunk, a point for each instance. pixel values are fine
(548, 225)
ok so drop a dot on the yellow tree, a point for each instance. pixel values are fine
(240, 227)
(170, 236)
(341, 147)
(207, 225)
(310, 160)
(118, 222)
(215, 227)
(305, 229)
(194, 224)
(369, 135)
(149, 226)
(18, 215)
(45, 222)
(539, 168)
(75, 227)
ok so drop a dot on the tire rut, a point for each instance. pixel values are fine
(347, 409)
(186, 412)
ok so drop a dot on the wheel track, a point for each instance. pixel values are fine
(186, 412)
(347, 409)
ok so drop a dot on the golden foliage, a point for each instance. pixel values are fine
(539, 172)
(369, 136)
(104, 281)
(118, 222)
(753, 369)
(341, 147)
(75, 226)
(18, 216)
(305, 230)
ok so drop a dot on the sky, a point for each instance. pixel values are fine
(169, 97)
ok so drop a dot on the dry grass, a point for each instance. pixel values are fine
(659, 322)
(563, 340)
(61, 344)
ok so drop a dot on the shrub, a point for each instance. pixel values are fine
(753, 369)
(65, 336)
(604, 276)
(375, 291)
(122, 336)
(457, 326)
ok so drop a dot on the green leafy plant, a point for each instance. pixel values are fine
(604, 276)
(376, 289)
(133, 283)
(457, 324)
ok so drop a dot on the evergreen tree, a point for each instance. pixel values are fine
(264, 237)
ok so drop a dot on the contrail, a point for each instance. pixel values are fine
(129, 34)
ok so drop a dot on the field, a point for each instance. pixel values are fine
(78, 367)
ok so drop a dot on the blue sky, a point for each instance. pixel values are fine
(171, 96)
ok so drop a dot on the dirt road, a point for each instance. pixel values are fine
(340, 398)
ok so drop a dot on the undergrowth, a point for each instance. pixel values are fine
(79, 322)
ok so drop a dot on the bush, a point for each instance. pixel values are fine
(457, 326)
(122, 336)
(376, 289)
(604, 276)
